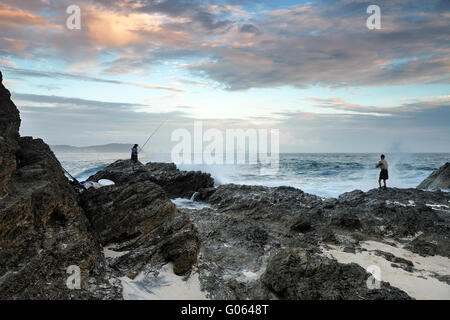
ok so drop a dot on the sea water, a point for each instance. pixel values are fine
(322, 174)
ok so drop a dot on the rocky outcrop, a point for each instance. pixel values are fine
(139, 214)
(394, 213)
(296, 274)
(176, 183)
(43, 231)
(9, 135)
(47, 227)
(126, 211)
(439, 179)
(267, 243)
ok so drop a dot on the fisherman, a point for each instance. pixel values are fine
(134, 155)
(384, 175)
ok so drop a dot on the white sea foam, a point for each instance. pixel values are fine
(110, 252)
(190, 204)
(437, 206)
(326, 175)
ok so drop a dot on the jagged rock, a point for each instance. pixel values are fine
(43, 231)
(396, 213)
(261, 199)
(346, 218)
(390, 257)
(9, 134)
(397, 262)
(182, 249)
(176, 183)
(296, 274)
(203, 194)
(301, 223)
(247, 225)
(140, 214)
(439, 179)
(126, 211)
(424, 247)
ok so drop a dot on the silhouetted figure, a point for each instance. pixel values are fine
(384, 174)
(134, 156)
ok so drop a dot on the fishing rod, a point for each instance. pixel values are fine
(154, 132)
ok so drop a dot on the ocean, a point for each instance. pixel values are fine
(322, 174)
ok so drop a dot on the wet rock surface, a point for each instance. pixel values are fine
(176, 183)
(248, 226)
(9, 135)
(47, 227)
(139, 218)
(43, 231)
(296, 274)
(439, 179)
(121, 212)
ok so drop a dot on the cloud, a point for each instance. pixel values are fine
(425, 130)
(82, 77)
(249, 28)
(330, 46)
(69, 101)
(420, 105)
(13, 17)
(175, 89)
(194, 83)
(324, 43)
(7, 62)
(236, 45)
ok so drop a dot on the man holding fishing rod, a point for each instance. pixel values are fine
(134, 156)
(134, 150)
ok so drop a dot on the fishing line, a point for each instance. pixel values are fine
(154, 132)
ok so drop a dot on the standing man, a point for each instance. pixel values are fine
(134, 155)
(384, 175)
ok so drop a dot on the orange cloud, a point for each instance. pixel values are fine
(118, 29)
(11, 17)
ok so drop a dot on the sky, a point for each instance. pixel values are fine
(311, 69)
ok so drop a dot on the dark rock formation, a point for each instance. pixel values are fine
(9, 135)
(302, 223)
(396, 261)
(140, 215)
(261, 199)
(176, 183)
(126, 211)
(439, 179)
(250, 230)
(296, 274)
(43, 231)
(395, 213)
